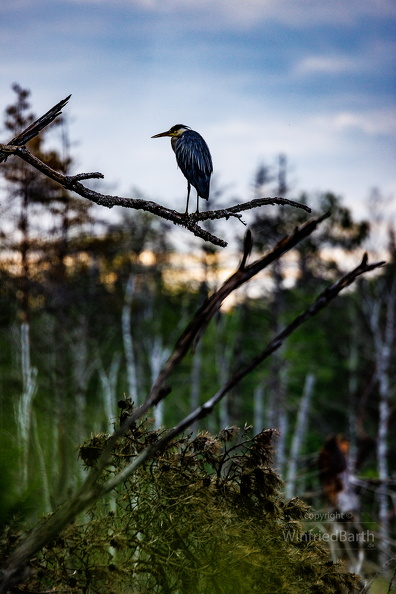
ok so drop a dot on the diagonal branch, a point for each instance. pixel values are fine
(321, 302)
(213, 303)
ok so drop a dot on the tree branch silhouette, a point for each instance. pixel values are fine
(213, 303)
(73, 183)
(31, 131)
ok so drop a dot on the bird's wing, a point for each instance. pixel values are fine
(192, 153)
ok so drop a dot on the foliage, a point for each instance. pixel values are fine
(205, 515)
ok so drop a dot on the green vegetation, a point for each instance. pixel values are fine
(205, 515)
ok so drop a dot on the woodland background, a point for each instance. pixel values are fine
(92, 304)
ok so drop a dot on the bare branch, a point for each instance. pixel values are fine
(72, 183)
(213, 303)
(189, 221)
(35, 128)
(322, 301)
(225, 213)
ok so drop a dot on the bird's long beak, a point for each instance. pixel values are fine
(162, 134)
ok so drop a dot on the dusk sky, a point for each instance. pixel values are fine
(309, 78)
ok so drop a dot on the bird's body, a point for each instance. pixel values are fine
(193, 158)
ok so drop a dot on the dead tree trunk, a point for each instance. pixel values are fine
(299, 434)
(128, 339)
(383, 341)
(158, 354)
(108, 383)
(24, 408)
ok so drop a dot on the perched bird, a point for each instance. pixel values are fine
(193, 158)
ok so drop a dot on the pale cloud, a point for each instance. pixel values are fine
(374, 122)
(325, 65)
(372, 55)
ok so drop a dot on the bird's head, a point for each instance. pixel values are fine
(173, 132)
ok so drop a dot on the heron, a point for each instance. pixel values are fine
(193, 158)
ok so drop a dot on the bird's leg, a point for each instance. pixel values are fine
(197, 211)
(188, 196)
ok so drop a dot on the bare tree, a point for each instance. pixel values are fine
(23, 409)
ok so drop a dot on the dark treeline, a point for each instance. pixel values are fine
(90, 310)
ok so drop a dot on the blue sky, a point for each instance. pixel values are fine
(310, 78)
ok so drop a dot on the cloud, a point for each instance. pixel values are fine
(325, 65)
(368, 56)
(381, 122)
